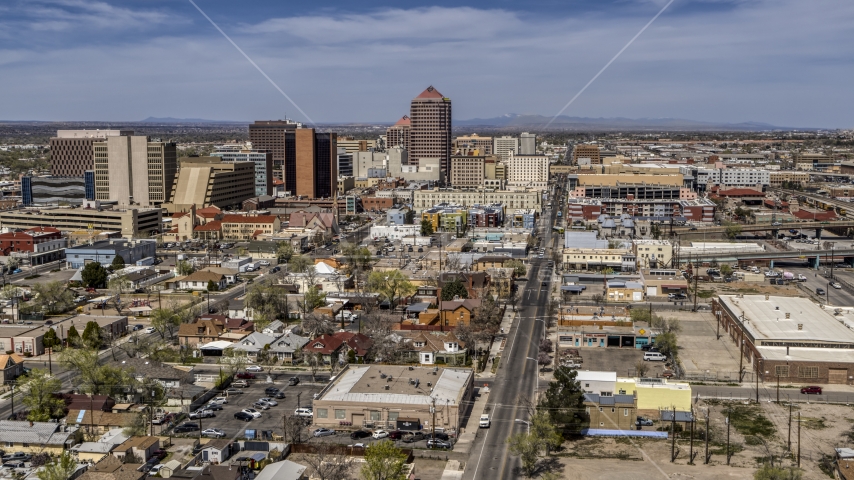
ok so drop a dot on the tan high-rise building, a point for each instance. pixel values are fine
(586, 151)
(473, 144)
(502, 146)
(72, 152)
(398, 135)
(132, 170)
(205, 181)
(467, 171)
(430, 131)
(271, 135)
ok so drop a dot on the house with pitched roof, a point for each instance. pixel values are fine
(142, 368)
(458, 312)
(142, 448)
(286, 347)
(11, 367)
(332, 347)
(253, 344)
(430, 348)
(199, 281)
(37, 437)
(111, 468)
(322, 223)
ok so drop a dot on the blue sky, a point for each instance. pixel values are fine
(783, 62)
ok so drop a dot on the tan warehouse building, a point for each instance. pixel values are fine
(395, 397)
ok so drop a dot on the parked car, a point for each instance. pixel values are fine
(304, 412)
(811, 390)
(484, 421)
(240, 384)
(246, 376)
(442, 444)
(234, 391)
(397, 434)
(213, 432)
(162, 420)
(643, 422)
(274, 392)
(360, 434)
(265, 263)
(135, 327)
(269, 401)
(293, 381)
(14, 464)
(261, 405)
(186, 428)
(438, 435)
(252, 411)
(254, 368)
(323, 432)
(649, 347)
(219, 400)
(654, 357)
(213, 406)
(380, 434)
(17, 456)
(243, 416)
(150, 330)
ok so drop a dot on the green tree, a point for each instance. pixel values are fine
(212, 286)
(40, 396)
(426, 228)
(184, 268)
(527, 448)
(165, 321)
(392, 285)
(73, 337)
(384, 461)
(733, 230)
(52, 297)
(454, 289)
(118, 263)
(313, 298)
(268, 303)
(655, 231)
(50, 339)
(666, 343)
(356, 257)
(284, 252)
(544, 430)
(564, 400)
(93, 377)
(60, 469)
(300, 263)
(92, 335)
(726, 270)
(518, 267)
(768, 472)
(94, 275)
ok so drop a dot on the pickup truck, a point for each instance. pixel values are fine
(484, 421)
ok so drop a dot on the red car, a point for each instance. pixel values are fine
(811, 389)
(395, 435)
(246, 376)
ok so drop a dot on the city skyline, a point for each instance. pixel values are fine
(783, 63)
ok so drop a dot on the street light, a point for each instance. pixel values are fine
(519, 420)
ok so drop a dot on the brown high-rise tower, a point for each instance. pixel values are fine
(430, 130)
(398, 135)
(312, 171)
(270, 135)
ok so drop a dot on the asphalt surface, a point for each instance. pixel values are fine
(517, 375)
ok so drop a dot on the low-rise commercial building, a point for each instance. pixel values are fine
(105, 251)
(130, 222)
(395, 397)
(512, 199)
(653, 253)
(38, 245)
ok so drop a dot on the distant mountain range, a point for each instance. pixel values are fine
(516, 121)
(171, 120)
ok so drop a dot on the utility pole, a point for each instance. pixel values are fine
(696, 279)
(799, 439)
(691, 448)
(706, 461)
(727, 438)
(433, 426)
(741, 354)
(757, 379)
(673, 436)
(13, 398)
(790, 426)
(298, 402)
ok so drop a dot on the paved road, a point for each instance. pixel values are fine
(768, 392)
(517, 376)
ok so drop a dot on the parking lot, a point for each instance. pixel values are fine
(620, 360)
(270, 420)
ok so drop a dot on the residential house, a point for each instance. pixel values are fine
(458, 312)
(92, 452)
(12, 366)
(286, 347)
(218, 450)
(331, 347)
(76, 401)
(844, 463)
(165, 375)
(200, 280)
(476, 283)
(139, 447)
(320, 223)
(612, 412)
(500, 281)
(275, 328)
(435, 347)
(253, 343)
(209, 328)
(229, 273)
(111, 468)
(36, 437)
(98, 421)
(219, 472)
(284, 470)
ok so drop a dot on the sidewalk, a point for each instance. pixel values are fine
(468, 432)
(498, 343)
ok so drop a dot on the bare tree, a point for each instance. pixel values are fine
(641, 368)
(315, 324)
(314, 362)
(294, 427)
(326, 464)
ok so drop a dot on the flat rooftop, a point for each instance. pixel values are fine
(766, 322)
(366, 384)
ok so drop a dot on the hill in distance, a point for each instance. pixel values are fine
(513, 120)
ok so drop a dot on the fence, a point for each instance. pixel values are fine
(724, 377)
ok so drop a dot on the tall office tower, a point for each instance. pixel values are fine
(270, 135)
(531, 171)
(502, 146)
(586, 151)
(205, 181)
(528, 143)
(71, 151)
(311, 165)
(262, 159)
(134, 170)
(398, 135)
(345, 162)
(430, 131)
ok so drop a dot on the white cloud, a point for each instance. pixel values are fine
(73, 15)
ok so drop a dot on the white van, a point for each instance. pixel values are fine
(303, 412)
(653, 357)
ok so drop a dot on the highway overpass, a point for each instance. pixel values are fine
(814, 257)
(764, 227)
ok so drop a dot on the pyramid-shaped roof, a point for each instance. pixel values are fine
(430, 92)
(404, 121)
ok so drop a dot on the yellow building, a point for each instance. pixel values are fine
(656, 394)
(37, 437)
(788, 176)
(432, 216)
